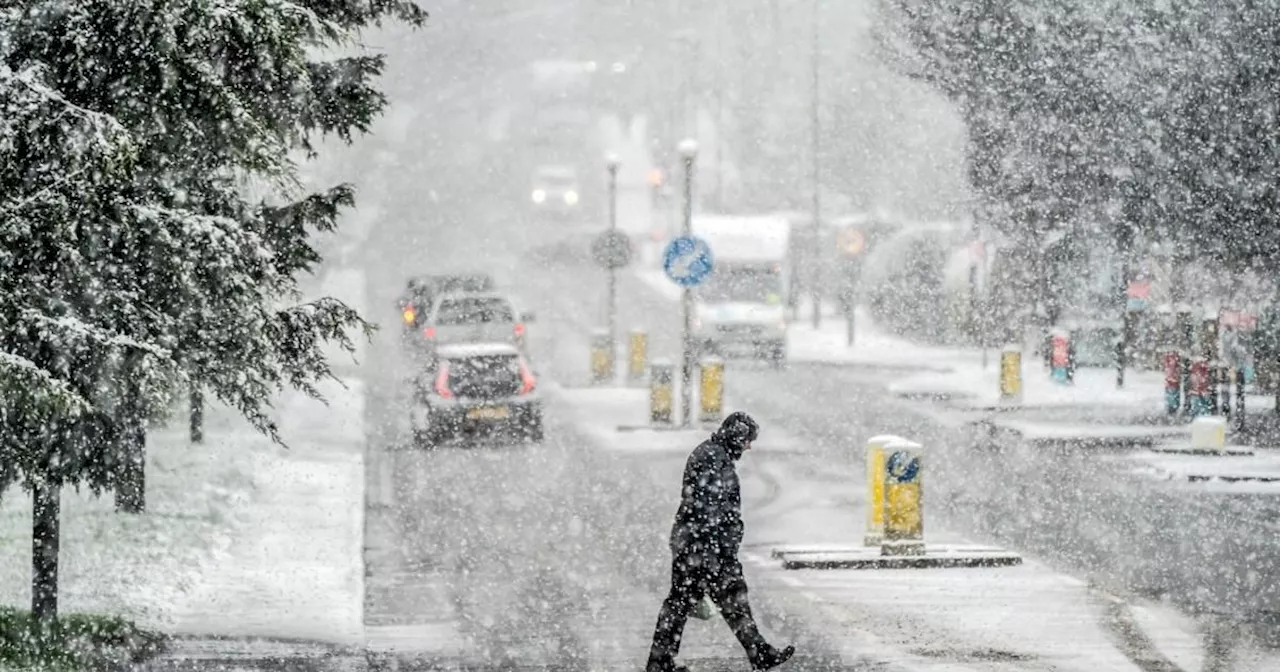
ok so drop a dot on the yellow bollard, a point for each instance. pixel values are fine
(637, 355)
(601, 357)
(903, 499)
(711, 390)
(1011, 375)
(660, 391)
(875, 488)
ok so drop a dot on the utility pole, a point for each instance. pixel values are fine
(816, 259)
(688, 152)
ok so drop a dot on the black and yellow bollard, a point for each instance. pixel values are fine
(601, 357)
(875, 487)
(711, 389)
(661, 392)
(1011, 375)
(637, 355)
(903, 499)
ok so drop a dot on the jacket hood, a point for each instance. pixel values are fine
(731, 447)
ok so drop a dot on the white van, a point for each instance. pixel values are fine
(740, 309)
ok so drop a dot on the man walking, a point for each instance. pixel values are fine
(704, 549)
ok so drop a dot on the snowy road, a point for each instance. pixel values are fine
(553, 556)
(550, 556)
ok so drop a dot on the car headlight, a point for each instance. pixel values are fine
(539, 195)
(571, 197)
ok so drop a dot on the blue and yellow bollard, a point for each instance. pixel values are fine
(1011, 375)
(874, 454)
(711, 389)
(661, 391)
(903, 499)
(637, 355)
(601, 357)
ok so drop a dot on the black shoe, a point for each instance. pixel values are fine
(770, 657)
(664, 666)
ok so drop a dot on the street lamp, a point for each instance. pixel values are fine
(816, 291)
(611, 164)
(688, 149)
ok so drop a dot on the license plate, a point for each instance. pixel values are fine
(488, 413)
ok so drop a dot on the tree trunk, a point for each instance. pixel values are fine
(131, 479)
(197, 415)
(131, 490)
(45, 500)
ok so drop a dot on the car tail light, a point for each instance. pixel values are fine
(528, 382)
(442, 382)
(429, 332)
(519, 329)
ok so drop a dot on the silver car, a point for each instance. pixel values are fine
(475, 317)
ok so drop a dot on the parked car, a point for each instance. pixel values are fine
(475, 317)
(422, 291)
(476, 388)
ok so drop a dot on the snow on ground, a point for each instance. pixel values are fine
(973, 386)
(1034, 430)
(141, 566)
(240, 536)
(953, 619)
(1258, 473)
(294, 568)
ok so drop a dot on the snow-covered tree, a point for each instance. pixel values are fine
(131, 137)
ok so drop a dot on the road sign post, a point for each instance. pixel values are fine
(852, 242)
(612, 165)
(688, 263)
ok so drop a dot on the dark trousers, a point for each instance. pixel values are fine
(692, 578)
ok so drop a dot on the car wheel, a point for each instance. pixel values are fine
(533, 427)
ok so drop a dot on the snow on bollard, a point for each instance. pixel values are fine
(1209, 433)
(874, 454)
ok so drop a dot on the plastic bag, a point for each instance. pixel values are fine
(706, 609)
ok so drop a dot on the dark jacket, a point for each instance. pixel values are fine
(709, 520)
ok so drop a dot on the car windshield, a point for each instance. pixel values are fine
(558, 180)
(472, 310)
(750, 283)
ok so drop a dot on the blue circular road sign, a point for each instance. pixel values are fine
(687, 261)
(903, 467)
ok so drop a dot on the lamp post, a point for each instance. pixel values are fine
(688, 153)
(611, 164)
(815, 274)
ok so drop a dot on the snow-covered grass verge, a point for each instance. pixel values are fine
(240, 536)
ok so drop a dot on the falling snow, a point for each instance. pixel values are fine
(344, 336)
